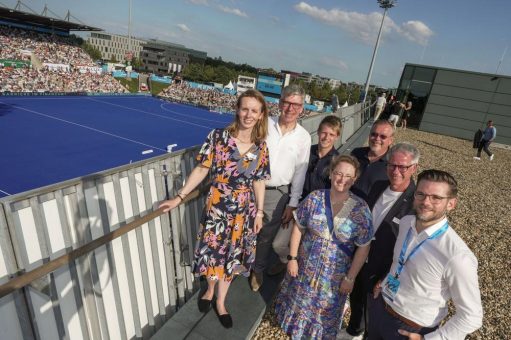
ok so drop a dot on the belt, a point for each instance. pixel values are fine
(400, 317)
(279, 188)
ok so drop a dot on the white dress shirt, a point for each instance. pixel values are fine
(289, 157)
(441, 269)
(383, 205)
(381, 101)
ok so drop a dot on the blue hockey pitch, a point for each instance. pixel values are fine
(45, 140)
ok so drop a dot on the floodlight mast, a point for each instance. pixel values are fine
(386, 5)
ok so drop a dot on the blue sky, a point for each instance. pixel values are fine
(330, 38)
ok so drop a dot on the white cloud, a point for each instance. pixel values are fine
(334, 62)
(416, 31)
(199, 2)
(183, 27)
(234, 11)
(364, 27)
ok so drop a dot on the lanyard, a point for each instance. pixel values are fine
(330, 222)
(402, 260)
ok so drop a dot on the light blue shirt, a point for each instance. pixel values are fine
(489, 133)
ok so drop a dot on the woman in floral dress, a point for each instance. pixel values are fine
(237, 160)
(320, 273)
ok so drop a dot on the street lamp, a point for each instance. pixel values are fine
(385, 4)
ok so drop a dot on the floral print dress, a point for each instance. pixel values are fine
(310, 305)
(226, 241)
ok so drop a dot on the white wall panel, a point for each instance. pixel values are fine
(134, 253)
(29, 231)
(67, 303)
(147, 245)
(51, 215)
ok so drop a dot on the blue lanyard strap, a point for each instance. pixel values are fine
(402, 260)
(330, 221)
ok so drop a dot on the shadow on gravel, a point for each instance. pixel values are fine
(446, 149)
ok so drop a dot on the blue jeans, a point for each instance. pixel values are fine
(483, 145)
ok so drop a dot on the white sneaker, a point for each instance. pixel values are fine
(477, 158)
(491, 157)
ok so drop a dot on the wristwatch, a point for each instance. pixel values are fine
(289, 258)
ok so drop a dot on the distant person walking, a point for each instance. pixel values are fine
(489, 135)
(380, 105)
(406, 113)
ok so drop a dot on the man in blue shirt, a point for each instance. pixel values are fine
(489, 135)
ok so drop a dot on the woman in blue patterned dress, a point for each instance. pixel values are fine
(321, 270)
(237, 160)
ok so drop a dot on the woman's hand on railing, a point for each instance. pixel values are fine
(170, 204)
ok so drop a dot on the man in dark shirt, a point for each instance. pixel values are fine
(372, 158)
(329, 131)
(373, 168)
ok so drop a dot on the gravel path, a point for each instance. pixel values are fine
(482, 218)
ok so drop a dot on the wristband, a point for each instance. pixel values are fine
(181, 197)
(349, 279)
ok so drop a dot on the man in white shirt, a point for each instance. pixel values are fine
(431, 265)
(380, 105)
(289, 148)
(389, 200)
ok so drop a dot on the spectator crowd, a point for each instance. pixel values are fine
(213, 99)
(57, 65)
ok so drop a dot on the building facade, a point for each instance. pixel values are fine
(161, 57)
(115, 47)
(456, 102)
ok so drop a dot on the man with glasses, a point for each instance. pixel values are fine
(389, 200)
(373, 158)
(431, 265)
(289, 147)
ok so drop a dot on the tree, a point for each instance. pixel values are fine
(136, 63)
(113, 59)
(93, 52)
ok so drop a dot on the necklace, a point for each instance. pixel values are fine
(243, 141)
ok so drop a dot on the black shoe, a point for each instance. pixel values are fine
(204, 305)
(225, 320)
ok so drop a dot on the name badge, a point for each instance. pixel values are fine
(390, 287)
(396, 220)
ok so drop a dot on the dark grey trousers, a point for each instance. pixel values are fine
(275, 202)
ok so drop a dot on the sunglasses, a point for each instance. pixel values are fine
(376, 135)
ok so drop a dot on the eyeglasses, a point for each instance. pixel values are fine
(435, 199)
(340, 174)
(376, 135)
(294, 106)
(402, 168)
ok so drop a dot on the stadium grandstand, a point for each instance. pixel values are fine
(38, 54)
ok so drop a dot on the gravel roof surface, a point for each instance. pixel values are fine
(482, 218)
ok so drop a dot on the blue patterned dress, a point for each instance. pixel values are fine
(310, 306)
